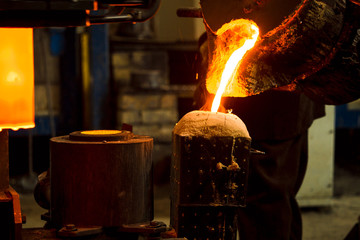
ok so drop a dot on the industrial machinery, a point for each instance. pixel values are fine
(39, 13)
(321, 59)
(101, 184)
(15, 16)
(313, 46)
(208, 174)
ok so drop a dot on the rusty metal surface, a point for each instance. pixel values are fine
(338, 82)
(51, 234)
(189, 12)
(16, 205)
(202, 181)
(107, 183)
(17, 217)
(144, 228)
(4, 159)
(268, 14)
(207, 222)
(315, 49)
(71, 231)
(208, 184)
(10, 215)
(299, 47)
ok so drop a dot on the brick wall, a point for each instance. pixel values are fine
(142, 99)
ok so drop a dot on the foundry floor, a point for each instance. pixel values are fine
(330, 223)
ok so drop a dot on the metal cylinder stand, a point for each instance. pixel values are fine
(101, 179)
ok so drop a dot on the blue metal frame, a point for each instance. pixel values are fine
(100, 74)
(347, 118)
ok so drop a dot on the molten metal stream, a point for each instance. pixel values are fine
(231, 65)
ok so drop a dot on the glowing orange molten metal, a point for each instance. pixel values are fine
(16, 78)
(233, 40)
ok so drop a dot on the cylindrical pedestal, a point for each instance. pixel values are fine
(208, 175)
(98, 180)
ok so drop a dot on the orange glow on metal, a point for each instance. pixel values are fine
(87, 21)
(16, 205)
(101, 132)
(232, 42)
(16, 78)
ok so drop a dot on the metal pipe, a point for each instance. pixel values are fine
(110, 19)
(131, 15)
(144, 14)
(86, 79)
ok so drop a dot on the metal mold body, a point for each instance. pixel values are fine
(206, 185)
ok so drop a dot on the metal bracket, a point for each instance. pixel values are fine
(144, 228)
(70, 230)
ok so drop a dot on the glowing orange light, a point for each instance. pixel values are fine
(234, 39)
(16, 78)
